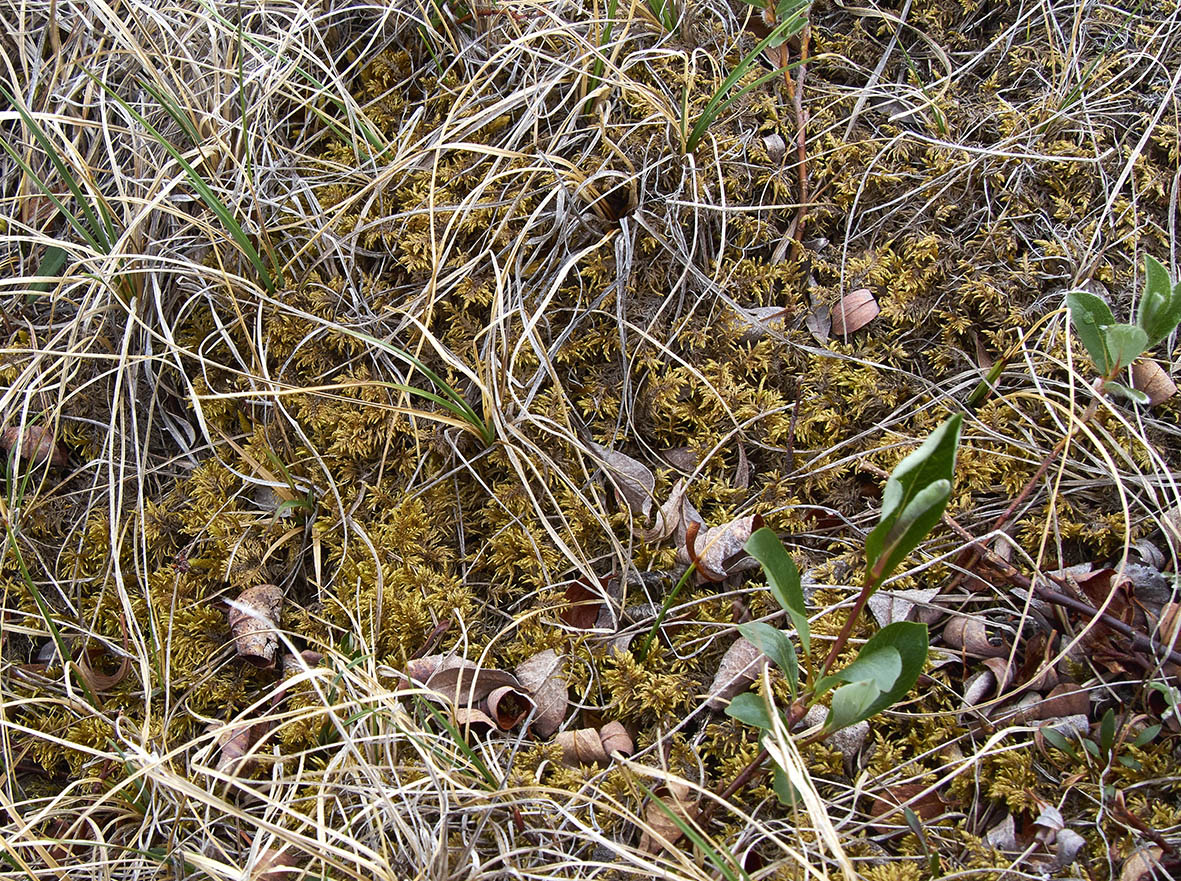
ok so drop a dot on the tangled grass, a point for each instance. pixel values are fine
(334, 296)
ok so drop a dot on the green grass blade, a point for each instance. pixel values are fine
(203, 190)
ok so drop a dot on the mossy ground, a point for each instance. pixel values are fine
(543, 245)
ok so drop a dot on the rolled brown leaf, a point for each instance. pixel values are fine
(465, 685)
(582, 606)
(37, 445)
(474, 720)
(274, 864)
(541, 675)
(235, 744)
(856, 309)
(507, 705)
(589, 746)
(632, 479)
(661, 830)
(1152, 379)
(253, 618)
(971, 636)
(614, 738)
(581, 747)
(737, 671)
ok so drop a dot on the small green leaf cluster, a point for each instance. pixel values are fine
(889, 663)
(1114, 346)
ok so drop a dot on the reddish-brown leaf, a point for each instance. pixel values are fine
(855, 310)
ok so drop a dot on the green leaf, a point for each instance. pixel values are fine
(1057, 740)
(1125, 343)
(1132, 394)
(1147, 736)
(783, 580)
(1160, 304)
(776, 645)
(881, 667)
(909, 640)
(1090, 314)
(931, 463)
(851, 704)
(750, 709)
(1107, 730)
(787, 8)
(789, 796)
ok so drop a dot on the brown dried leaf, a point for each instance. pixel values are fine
(468, 685)
(674, 517)
(507, 706)
(582, 746)
(253, 619)
(661, 831)
(235, 743)
(614, 738)
(1152, 379)
(739, 668)
(473, 719)
(582, 606)
(276, 865)
(926, 805)
(856, 309)
(889, 606)
(719, 550)
(632, 479)
(761, 321)
(819, 324)
(970, 635)
(541, 675)
(1142, 864)
(37, 445)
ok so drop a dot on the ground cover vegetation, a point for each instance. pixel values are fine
(536, 439)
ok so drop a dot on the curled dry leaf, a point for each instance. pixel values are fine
(472, 719)
(720, 550)
(971, 636)
(1065, 699)
(463, 685)
(632, 479)
(1142, 864)
(37, 445)
(253, 618)
(856, 309)
(661, 830)
(508, 705)
(889, 606)
(541, 675)
(739, 668)
(275, 864)
(1152, 379)
(235, 743)
(590, 746)
(674, 517)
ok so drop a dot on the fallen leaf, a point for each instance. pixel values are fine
(633, 481)
(582, 606)
(720, 550)
(508, 705)
(1152, 379)
(761, 321)
(474, 720)
(889, 606)
(660, 830)
(253, 619)
(674, 517)
(856, 309)
(591, 746)
(36, 443)
(235, 744)
(541, 675)
(1141, 864)
(275, 864)
(740, 666)
(420, 670)
(1003, 836)
(926, 805)
(1065, 699)
(970, 635)
(819, 323)
(464, 685)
